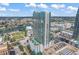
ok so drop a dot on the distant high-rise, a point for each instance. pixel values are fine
(76, 27)
(41, 27)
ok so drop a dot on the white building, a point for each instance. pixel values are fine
(1, 40)
(25, 41)
(35, 46)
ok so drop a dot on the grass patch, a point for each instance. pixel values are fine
(18, 35)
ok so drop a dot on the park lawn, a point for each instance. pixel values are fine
(18, 35)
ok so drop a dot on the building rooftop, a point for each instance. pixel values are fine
(61, 48)
(68, 32)
(28, 27)
(0, 39)
(68, 50)
(54, 48)
(3, 49)
(3, 46)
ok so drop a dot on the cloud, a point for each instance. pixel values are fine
(30, 5)
(72, 8)
(14, 10)
(36, 5)
(58, 6)
(2, 9)
(42, 6)
(26, 5)
(5, 4)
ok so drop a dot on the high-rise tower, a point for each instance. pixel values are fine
(76, 27)
(41, 27)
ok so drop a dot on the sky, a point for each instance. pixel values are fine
(26, 9)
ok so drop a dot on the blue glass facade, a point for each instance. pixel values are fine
(39, 26)
(76, 26)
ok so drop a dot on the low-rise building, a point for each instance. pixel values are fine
(25, 41)
(61, 48)
(3, 49)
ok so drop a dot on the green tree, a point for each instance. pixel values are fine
(28, 46)
(39, 53)
(12, 40)
(21, 47)
(24, 53)
(33, 53)
(7, 37)
(25, 32)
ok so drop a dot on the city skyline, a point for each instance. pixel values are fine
(22, 9)
(39, 34)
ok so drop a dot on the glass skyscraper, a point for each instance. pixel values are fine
(76, 27)
(41, 27)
